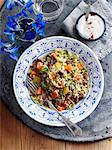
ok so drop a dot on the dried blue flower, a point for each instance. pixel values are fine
(35, 27)
(19, 15)
(39, 18)
(12, 37)
(21, 1)
(4, 43)
(41, 33)
(14, 56)
(30, 35)
(25, 29)
(10, 4)
(24, 13)
(31, 10)
(2, 50)
(7, 32)
(39, 25)
(12, 23)
(29, 4)
(11, 50)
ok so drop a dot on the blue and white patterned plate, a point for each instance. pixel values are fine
(84, 107)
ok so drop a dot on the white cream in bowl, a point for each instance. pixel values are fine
(92, 28)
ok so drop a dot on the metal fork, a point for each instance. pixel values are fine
(74, 129)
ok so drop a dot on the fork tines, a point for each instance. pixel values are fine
(30, 85)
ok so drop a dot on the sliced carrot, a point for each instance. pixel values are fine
(53, 75)
(76, 76)
(60, 108)
(39, 91)
(33, 73)
(69, 68)
(80, 66)
(54, 94)
(33, 76)
(39, 65)
(54, 55)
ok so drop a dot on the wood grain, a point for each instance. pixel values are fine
(9, 130)
(102, 145)
(1, 2)
(36, 141)
(14, 135)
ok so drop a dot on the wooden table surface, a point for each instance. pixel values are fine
(14, 135)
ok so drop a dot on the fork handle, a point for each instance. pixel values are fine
(71, 125)
(67, 122)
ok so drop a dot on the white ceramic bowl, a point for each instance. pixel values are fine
(46, 116)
